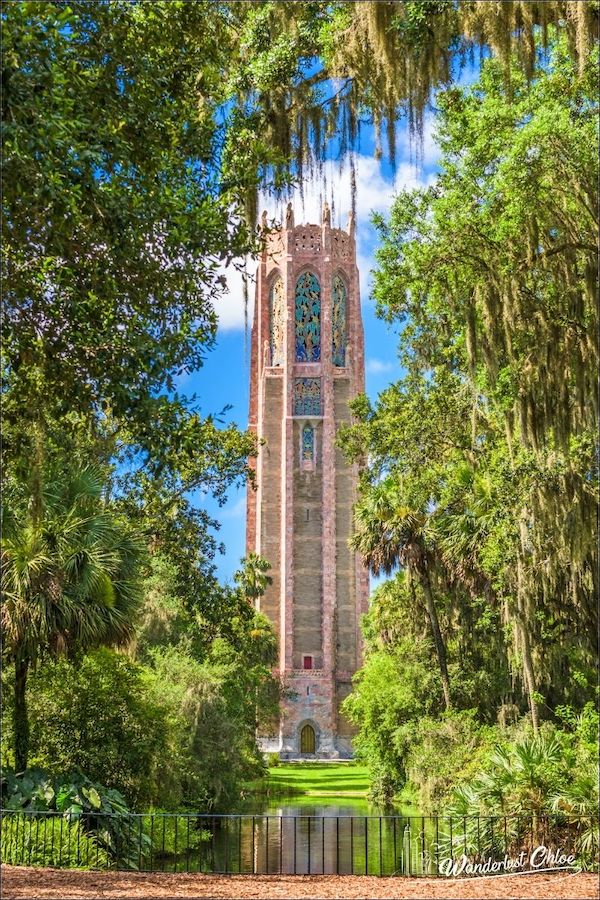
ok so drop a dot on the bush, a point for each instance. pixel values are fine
(444, 751)
(273, 760)
(99, 716)
(99, 811)
(35, 789)
(393, 691)
(170, 834)
(214, 719)
(52, 840)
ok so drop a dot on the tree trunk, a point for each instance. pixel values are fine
(528, 671)
(20, 717)
(438, 640)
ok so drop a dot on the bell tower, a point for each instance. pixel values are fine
(307, 363)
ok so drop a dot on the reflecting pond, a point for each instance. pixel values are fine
(304, 835)
(301, 839)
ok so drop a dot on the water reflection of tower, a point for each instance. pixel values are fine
(307, 364)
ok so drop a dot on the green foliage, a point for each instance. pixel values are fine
(100, 715)
(214, 673)
(443, 750)
(548, 774)
(110, 121)
(50, 841)
(114, 121)
(392, 692)
(177, 727)
(253, 579)
(37, 790)
(80, 808)
(493, 269)
(71, 567)
(312, 72)
(214, 716)
(70, 576)
(171, 834)
(479, 481)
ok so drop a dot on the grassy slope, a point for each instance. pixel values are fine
(318, 780)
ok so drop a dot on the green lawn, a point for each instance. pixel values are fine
(318, 780)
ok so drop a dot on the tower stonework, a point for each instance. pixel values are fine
(307, 363)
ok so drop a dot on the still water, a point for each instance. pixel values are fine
(289, 836)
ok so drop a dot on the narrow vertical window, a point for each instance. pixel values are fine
(308, 445)
(308, 318)
(276, 309)
(338, 321)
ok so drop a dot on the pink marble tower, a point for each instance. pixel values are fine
(307, 364)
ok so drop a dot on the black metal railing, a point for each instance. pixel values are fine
(301, 844)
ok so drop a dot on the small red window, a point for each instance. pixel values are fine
(307, 664)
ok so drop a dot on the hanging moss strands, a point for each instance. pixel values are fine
(493, 430)
(312, 71)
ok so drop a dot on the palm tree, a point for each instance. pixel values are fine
(253, 579)
(70, 580)
(387, 534)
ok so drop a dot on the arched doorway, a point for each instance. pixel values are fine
(307, 740)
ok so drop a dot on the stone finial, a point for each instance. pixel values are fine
(264, 225)
(326, 214)
(289, 216)
(351, 224)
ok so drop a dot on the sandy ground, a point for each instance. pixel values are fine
(66, 884)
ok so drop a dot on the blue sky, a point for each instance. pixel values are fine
(224, 378)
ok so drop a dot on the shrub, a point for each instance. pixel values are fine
(445, 751)
(170, 834)
(35, 789)
(97, 715)
(98, 810)
(51, 840)
(392, 692)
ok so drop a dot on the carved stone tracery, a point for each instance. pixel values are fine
(276, 321)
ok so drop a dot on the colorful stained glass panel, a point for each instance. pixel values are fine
(308, 443)
(307, 396)
(338, 322)
(308, 318)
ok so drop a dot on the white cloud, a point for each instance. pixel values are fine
(374, 192)
(431, 151)
(378, 366)
(236, 510)
(230, 307)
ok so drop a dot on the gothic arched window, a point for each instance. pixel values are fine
(308, 318)
(276, 328)
(338, 321)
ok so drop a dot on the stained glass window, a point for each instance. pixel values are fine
(307, 396)
(338, 322)
(308, 443)
(276, 307)
(308, 318)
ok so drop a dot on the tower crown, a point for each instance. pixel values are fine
(311, 239)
